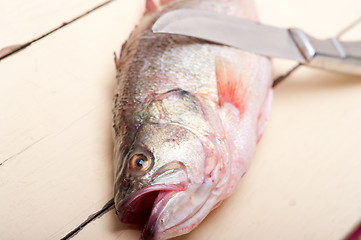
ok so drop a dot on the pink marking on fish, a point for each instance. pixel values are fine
(231, 88)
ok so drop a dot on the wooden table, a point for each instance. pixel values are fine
(55, 128)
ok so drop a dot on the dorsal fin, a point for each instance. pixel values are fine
(231, 87)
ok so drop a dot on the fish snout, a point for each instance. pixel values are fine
(144, 206)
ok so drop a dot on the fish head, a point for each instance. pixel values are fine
(162, 183)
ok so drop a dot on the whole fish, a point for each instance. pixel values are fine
(187, 117)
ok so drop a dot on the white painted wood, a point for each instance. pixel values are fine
(22, 21)
(55, 125)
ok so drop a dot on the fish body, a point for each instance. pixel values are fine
(187, 117)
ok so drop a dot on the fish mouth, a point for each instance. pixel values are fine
(146, 204)
(143, 208)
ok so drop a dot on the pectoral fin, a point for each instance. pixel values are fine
(231, 87)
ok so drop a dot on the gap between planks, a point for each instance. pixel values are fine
(106, 208)
(12, 49)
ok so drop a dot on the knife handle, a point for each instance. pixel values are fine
(330, 54)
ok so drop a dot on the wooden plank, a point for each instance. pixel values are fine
(56, 123)
(22, 21)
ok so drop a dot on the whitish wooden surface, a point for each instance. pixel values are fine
(56, 125)
(22, 21)
(55, 131)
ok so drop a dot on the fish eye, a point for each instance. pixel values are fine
(139, 162)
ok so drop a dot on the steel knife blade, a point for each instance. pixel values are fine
(292, 43)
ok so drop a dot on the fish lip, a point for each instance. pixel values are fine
(151, 229)
(169, 168)
(125, 209)
(157, 187)
(143, 207)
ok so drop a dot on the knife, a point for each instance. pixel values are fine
(330, 54)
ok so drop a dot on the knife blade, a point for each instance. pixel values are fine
(292, 43)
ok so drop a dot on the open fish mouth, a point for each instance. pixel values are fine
(144, 207)
(137, 209)
(146, 204)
